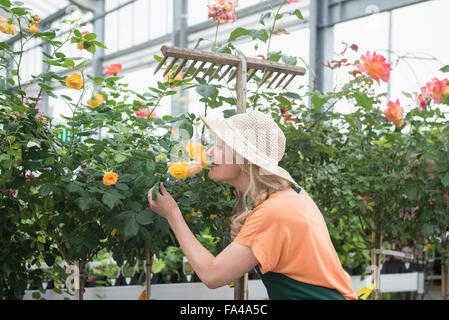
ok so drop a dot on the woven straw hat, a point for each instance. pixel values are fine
(254, 136)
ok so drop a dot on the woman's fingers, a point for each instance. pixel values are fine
(162, 189)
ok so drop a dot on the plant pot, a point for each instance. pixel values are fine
(156, 278)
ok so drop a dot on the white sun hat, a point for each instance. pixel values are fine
(253, 136)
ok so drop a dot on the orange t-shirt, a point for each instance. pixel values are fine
(287, 234)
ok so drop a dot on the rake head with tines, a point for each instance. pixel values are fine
(227, 62)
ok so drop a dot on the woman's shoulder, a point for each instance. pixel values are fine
(274, 206)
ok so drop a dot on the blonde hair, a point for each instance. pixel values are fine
(260, 187)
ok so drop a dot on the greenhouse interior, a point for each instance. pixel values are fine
(110, 118)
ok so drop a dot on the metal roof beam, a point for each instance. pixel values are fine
(345, 10)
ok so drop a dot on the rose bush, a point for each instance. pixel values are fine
(379, 175)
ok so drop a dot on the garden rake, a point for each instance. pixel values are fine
(243, 69)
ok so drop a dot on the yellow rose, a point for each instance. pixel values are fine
(192, 214)
(178, 170)
(74, 81)
(7, 27)
(204, 159)
(193, 168)
(95, 101)
(195, 150)
(110, 178)
(80, 45)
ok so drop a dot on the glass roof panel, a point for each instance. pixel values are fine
(45, 8)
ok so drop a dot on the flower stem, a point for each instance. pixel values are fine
(216, 35)
(272, 30)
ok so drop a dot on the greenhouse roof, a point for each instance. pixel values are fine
(45, 8)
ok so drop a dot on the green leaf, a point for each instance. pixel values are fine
(155, 192)
(427, 229)
(299, 14)
(53, 63)
(229, 113)
(45, 87)
(317, 101)
(145, 217)
(263, 17)
(119, 158)
(445, 180)
(5, 3)
(36, 295)
(109, 199)
(19, 11)
(289, 59)
(292, 95)
(99, 44)
(363, 100)
(83, 203)
(90, 36)
(122, 186)
(408, 95)
(73, 187)
(239, 32)
(68, 63)
(411, 191)
(92, 49)
(275, 56)
(157, 266)
(187, 126)
(150, 167)
(445, 69)
(131, 228)
(261, 34)
(157, 58)
(206, 90)
(45, 190)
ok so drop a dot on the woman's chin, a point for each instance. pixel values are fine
(212, 175)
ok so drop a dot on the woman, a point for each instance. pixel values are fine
(284, 237)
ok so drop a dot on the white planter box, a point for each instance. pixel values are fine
(176, 291)
(397, 282)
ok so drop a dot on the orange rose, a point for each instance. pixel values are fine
(113, 69)
(74, 81)
(33, 29)
(110, 178)
(95, 101)
(168, 77)
(80, 44)
(173, 133)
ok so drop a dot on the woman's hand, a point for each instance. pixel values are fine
(164, 205)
